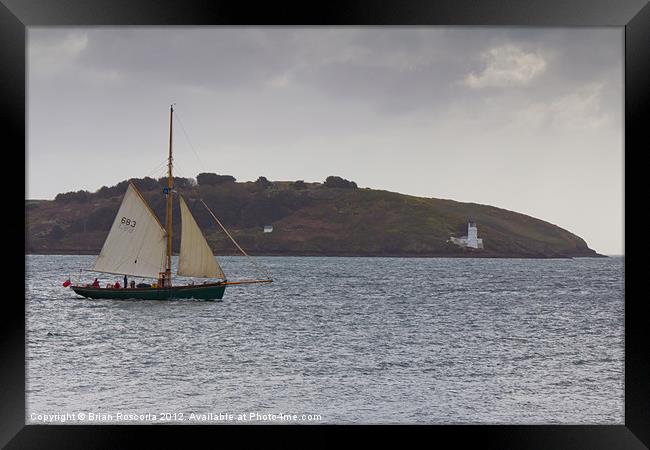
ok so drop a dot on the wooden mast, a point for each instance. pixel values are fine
(168, 271)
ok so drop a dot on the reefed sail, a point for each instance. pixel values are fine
(196, 258)
(136, 243)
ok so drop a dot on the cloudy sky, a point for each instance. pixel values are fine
(526, 119)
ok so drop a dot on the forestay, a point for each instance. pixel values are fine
(196, 258)
(136, 244)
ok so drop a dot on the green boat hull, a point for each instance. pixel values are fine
(212, 291)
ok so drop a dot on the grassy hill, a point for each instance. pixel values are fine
(307, 219)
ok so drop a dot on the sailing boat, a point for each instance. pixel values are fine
(138, 245)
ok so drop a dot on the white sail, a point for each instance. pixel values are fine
(137, 242)
(196, 258)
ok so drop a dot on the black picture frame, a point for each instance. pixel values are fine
(633, 15)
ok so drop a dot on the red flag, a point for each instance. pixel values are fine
(67, 283)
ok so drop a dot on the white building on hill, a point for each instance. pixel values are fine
(471, 240)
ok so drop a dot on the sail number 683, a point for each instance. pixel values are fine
(128, 222)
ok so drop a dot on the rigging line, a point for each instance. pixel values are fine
(252, 260)
(160, 173)
(180, 170)
(157, 169)
(188, 139)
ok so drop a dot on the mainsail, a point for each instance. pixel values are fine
(136, 244)
(196, 258)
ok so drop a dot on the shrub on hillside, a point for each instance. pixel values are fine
(145, 184)
(338, 182)
(113, 191)
(208, 179)
(67, 197)
(263, 182)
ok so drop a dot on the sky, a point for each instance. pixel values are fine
(525, 119)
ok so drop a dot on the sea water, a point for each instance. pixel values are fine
(335, 340)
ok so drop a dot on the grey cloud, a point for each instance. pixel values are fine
(394, 69)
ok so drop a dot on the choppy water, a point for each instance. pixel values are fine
(352, 340)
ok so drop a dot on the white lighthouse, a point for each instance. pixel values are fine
(471, 240)
(472, 235)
